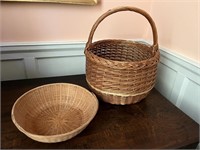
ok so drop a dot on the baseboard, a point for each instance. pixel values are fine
(178, 78)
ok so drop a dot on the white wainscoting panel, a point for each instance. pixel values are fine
(25, 61)
(59, 66)
(13, 69)
(178, 79)
(165, 80)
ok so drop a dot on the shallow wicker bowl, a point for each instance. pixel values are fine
(54, 112)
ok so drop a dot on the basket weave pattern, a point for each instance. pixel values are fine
(54, 112)
(121, 71)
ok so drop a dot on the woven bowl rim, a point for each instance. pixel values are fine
(57, 135)
(122, 62)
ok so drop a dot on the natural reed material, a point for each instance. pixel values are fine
(121, 71)
(54, 112)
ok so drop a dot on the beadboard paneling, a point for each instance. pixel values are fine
(178, 79)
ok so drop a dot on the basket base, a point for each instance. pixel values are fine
(56, 120)
(121, 100)
(118, 99)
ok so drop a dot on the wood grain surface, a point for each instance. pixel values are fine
(152, 123)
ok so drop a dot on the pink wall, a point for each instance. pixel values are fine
(176, 21)
(178, 26)
(28, 22)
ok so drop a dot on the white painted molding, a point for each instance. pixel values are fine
(181, 64)
(178, 78)
(41, 49)
(177, 55)
(32, 60)
(179, 81)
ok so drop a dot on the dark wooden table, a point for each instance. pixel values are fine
(152, 123)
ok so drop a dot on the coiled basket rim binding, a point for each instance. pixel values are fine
(56, 136)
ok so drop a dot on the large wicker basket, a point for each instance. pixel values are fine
(54, 112)
(121, 71)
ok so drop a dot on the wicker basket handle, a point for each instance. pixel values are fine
(125, 8)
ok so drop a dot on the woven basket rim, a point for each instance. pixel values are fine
(57, 135)
(121, 63)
